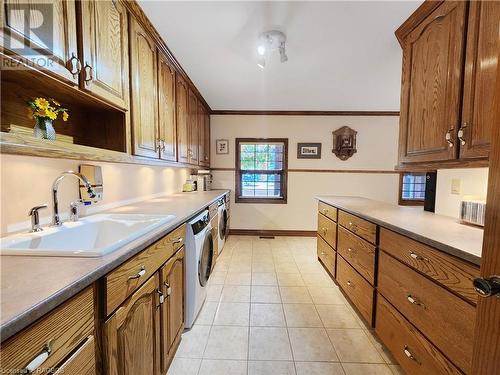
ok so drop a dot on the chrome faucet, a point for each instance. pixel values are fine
(56, 221)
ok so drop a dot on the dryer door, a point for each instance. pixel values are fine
(206, 257)
(223, 224)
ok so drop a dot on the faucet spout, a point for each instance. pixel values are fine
(56, 220)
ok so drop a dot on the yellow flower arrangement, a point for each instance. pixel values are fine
(47, 109)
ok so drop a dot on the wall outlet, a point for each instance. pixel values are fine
(456, 185)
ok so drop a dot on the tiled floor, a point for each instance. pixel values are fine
(273, 309)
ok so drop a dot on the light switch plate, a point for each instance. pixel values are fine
(456, 185)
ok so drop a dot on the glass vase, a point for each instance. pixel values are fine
(44, 129)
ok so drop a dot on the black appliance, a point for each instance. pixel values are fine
(430, 191)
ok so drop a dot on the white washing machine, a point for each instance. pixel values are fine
(199, 256)
(223, 223)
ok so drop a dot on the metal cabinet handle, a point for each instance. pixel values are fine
(487, 287)
(461, 134)
(409, 354)
(177, 240)
(325, 230)
(39, 359)
(139, 274)
(414, 301)
(206, 157)
(416, 256)
(169, 288)
(448, 138)
(162, 145)
(325, 210)
(349, 283)
(89, 73)
(162, 297)
(353, 226)
(74, 65)
(350, 250)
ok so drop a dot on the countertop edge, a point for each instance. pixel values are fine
(450, 250)
(27, 317)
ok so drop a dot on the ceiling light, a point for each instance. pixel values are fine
(261, 63)
(269, 41)
(261, 50)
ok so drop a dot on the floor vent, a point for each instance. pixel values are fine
(266, 237)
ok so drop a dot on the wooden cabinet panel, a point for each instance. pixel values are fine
(329, 211)
(412, 350)
(56, 44)
(132, 333)
(480, 73)
(327, 255)
(144, 90)
(359, 253)
(81, 362)
(166, 105)
(172, 310)
(62, 329)
(445, 319)
(105, 50)
(182, 120)
(193, 126)
(204, 127)
(359, 226)
(448, 271)
(328, 230)
(431, 85)
(359, 291)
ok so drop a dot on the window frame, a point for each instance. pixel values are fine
(408, 202)
(284, 172)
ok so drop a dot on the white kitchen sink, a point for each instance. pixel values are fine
(91, 236)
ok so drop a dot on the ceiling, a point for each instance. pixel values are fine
(343, 56)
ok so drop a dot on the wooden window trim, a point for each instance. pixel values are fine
(284, 181)
(406, 202)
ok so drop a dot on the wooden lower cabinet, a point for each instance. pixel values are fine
(132, 333)
(81, 362)
(172, 308)
(327, 255)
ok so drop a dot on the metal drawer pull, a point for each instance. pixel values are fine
(162, 297)
(349, 283)
(139, 274)
(349, 250)
(417, 257)
(169, 288)
(448, 137)
(325, 211)
(409, 354)
(178, 240)
(414, 301)
(39, 359)
(353, 226)
(325, 230)
(323, 253)
(461, 134)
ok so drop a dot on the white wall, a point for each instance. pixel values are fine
(377, 143)
(473, 181)
(27, 181)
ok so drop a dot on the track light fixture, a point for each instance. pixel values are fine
(269, 41)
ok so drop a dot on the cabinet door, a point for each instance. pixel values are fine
(48, 40)
(144, 105)
(132, 333)
(182, 120)
(431, 86)
(194, 133)
(166, 107)
(204, 124)
(172, 313)
(105, 50)
(480, 73)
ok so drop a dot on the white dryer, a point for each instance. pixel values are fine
(199, 256)
(223, 223)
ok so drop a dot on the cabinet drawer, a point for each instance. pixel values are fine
(359, 226)
(445, 319)
(445, 269)
(63, 330)
(81, 362)
(327, 255)
(359, 291)
(125, 279)
(359, 253)
(329, 211)
(412, 351)
(328, 230)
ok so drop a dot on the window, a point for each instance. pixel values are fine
(261, 170)
(412, 189)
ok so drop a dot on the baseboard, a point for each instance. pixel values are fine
(271, 232)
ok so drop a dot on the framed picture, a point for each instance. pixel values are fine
(222, 146)
(308, 150)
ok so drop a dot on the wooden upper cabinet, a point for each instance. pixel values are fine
(166, 109)
(431, 85)
(144, 90)
(53, 44)
(194, 133)
(182, 120)
(480, 73)
(105, 50)
(204, 127)
(132, 333)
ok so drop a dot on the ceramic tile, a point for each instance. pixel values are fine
(397, 370)
(317, 279)
(344, 340)
(311, 344)
(217, 278)
(207, 313)
(326, 295)
(265, 294)
(238, 278)
(232, 314)
(214, 293)
(290, 279)
(193, 342)
(184, 366)
(288, 267)
(269, 343)
(264, 278)
(227, 343)
(236, 293)
(301, 315)
(319, 368)
(223, 367)
(260, 266)
(267, 315)
(366, 369)
(271, 368)
(383, 351)
(295, 294)
(337, 316)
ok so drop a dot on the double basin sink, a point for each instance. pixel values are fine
(92, 236)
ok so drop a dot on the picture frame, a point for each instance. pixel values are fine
(222, 146)
(308, 150)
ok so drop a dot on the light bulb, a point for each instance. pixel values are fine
(261, 63)
(261, 50)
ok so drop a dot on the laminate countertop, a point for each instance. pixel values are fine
(33, 286)
(441, 232)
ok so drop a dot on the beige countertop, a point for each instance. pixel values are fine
(33, 286)
(442, 232)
